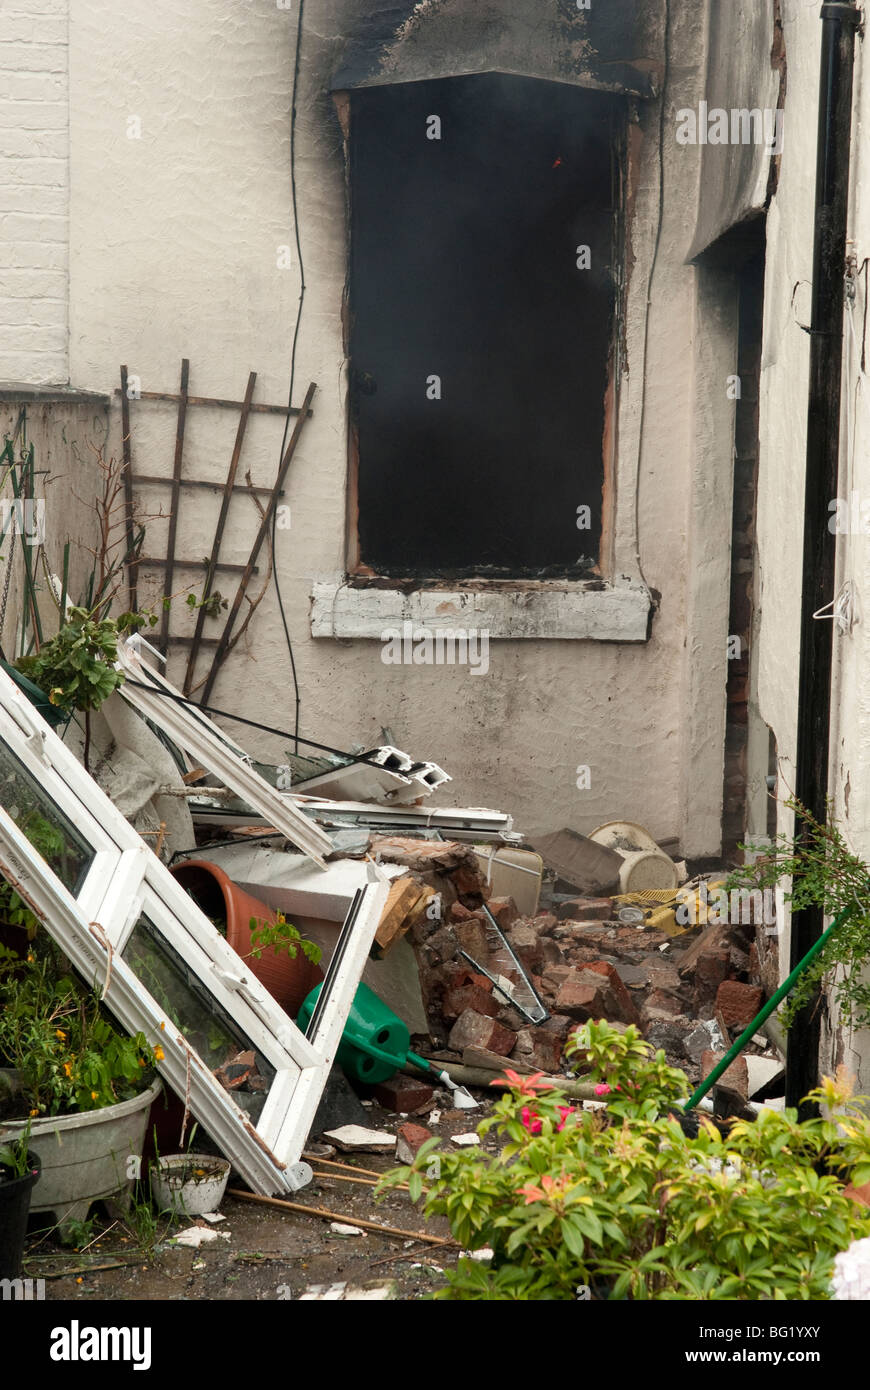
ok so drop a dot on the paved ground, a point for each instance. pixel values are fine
(271, 1254)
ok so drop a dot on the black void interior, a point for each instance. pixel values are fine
(464, 266)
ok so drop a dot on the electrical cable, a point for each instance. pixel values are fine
(652, 271)
(264, 728)
(284, 622)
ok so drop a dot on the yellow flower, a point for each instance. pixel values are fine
(162, 1026)
(58, 1033)
(159, 1054)
(67, 1068)
(33, 1114)
(31, 958)
(94, 1095)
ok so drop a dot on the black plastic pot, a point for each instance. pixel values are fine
(15, 1196)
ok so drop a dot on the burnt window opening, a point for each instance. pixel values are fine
(482, 333)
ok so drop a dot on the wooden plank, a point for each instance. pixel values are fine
(265, 524)
(258, 409)
(186, 641)
(493, 1061)
(153, 481)
(132, 572)
(280, 1203)
(176, 497)
(398, 914)
(194, 775)
(219, 529)
(157, 563)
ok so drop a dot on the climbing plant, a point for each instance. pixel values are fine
(817, 868)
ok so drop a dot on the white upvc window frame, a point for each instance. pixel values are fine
(126, 879)
(193, 731)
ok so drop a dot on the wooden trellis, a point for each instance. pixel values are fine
(177, 482)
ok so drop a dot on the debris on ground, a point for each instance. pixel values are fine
(344, 1293)
(491, 954)
(194, 1236)
(355, 1139)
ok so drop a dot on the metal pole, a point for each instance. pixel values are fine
(763, 1014)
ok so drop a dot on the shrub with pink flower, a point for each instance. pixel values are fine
(620, 1196)
(531, 1119)
(533, 1123)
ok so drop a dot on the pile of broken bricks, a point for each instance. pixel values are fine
(690, 994)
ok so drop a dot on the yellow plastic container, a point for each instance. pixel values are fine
(659, 907)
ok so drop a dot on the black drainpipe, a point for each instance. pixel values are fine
(839, 23)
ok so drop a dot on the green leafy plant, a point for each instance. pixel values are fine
(80, 1234)
(14, 1156)
(280, 936)
(624, 1201)
(77, 667)
(49, 842)
(53, 1031)
(211, 605)
(144, 1223)
(823, 872)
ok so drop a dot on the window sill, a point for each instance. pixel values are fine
(51, 395)
(593, 611)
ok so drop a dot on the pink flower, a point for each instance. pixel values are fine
(551, 1190)
(526, 1085)
(564, 1111)
(531, 1120)
(602, 1090)
(533, 1194)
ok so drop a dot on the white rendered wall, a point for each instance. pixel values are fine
(782, 461)
(180, 201)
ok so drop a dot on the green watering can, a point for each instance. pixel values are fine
(375, 1044)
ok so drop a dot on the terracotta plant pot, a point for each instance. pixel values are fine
(288, 979)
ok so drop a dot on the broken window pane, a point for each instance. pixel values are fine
(485, 214)
(209, 1031)
(47, 828)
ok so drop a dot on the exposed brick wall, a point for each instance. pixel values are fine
(34, 191)
(743, 549)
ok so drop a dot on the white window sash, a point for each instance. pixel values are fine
(93, 930)
(203, 740)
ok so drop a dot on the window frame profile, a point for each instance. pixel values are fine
(616, 605)
(93, 925)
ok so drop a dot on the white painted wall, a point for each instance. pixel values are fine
(782, 461)
(67, 476)
(180, 199)
(34, 191)
(173, 251)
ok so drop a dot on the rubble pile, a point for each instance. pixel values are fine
(690, 994)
